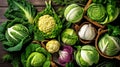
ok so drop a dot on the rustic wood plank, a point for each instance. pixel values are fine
(2, 53)
(40, 8)
(3, 3)
(38, 2)
(2, 11)
(5, 65)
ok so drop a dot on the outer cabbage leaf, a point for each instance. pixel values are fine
(20, 9)
(112, 12)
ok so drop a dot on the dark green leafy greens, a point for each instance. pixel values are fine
(99, 1)
(113, 30)
(70, 64)
(13, 58)
(108, 63)
(20, 9)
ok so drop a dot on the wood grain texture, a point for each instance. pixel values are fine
(2, 53)
(2, 11)
(3, 3)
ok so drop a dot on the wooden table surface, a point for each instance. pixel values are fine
(39, 4)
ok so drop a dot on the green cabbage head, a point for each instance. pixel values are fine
(97, 12)
(16, 33)
(73, 13)
(36, 59)
(69, 36)
(86, 56)
(109, 45)
(103, 14)
(35, 56)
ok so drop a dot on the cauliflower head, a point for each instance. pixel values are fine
(52, 46)
(46, 23)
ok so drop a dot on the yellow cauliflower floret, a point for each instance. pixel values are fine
(53, 46)
(46, 23)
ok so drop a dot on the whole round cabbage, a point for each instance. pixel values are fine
(73, 13)
(16, 33)
(86, 56)
(69, 36)
(96, 12)
(109, 45)
(35, 59)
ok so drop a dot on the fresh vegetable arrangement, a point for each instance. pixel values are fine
(83, 33)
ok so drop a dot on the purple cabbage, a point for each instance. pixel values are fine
(65, 55)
